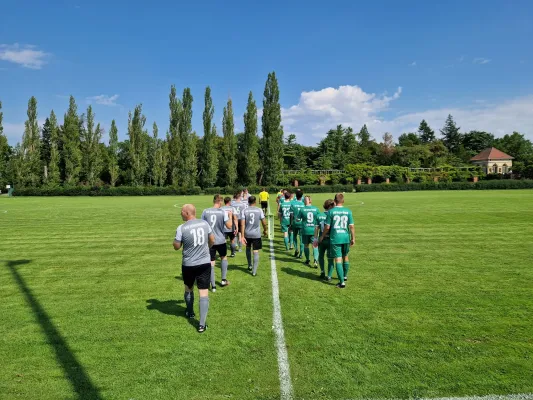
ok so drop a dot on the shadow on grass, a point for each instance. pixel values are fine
(301, 274)
(73, 370)
(169, 307)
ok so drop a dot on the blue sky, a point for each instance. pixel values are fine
(385, 63)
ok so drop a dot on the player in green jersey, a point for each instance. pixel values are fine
(323, 248)
(340, 226)
(296, 223)
(308, 215)
(285, 218)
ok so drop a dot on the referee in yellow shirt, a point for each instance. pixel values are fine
(263, 198)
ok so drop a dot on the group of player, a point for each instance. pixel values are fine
(239, 220)
(331, 232)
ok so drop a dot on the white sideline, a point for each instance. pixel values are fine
(283, 358)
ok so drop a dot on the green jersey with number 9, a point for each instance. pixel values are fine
(339, 220)
(308, 215)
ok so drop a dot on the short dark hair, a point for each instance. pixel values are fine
(217, 198)
(237, 194)
(227, 200)
(339, 198)
(287, 194)
(299, 194)
(328, 204)
(251, 200)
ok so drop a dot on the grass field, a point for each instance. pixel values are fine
(439, 303)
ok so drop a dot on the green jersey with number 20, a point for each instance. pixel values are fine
(285, 210)
(308, 215)
(339, 220)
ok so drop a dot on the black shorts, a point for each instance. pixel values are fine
(230, 235)
(201, 274)
(255, 244)
(264, 204)
(221, 249)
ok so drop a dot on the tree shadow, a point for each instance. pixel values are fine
(73, 370)
(169, 307)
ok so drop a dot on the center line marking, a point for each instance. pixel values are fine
(285, 383)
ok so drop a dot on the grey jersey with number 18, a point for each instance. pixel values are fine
(216, 218)
(252, 222)
(194, 237)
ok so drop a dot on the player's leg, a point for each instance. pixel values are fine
(249, 254)
(233, 247)
(296, 234)
(315, 253)
(336, 253)
(306, 240)
(285, 231)
(346, 261)
(223, 253)
(291, 238)
(300, 233)
(202, 281)
(257, 245)
(321, 253)
(188, 295)
(213, 253)
(331, 263)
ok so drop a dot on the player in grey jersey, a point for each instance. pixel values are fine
(238, 207)
(231, 232)
(219, 220)
(251, 220)
(195, 237)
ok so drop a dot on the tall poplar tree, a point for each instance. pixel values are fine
(187, 162)
(32, 165)
(250, 143)
(229, 153)
(159, 158)
(272, 132)
(209, 157)
(113, 167)
(137, 146)
(54, 172)
(174, 145)
(70, 139)
(4, 153)
(90, 147)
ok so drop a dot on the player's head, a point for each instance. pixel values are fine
(328, 204)
(339, 199)
(217, 199)
(251, 200)
(287, 194)
(237, 195)
(299, 194)
(227, 200)
(264, 189)
(245, 190)
(307, 200)
(188, 212)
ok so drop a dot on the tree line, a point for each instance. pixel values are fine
(72, 153)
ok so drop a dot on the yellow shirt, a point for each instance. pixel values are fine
(263, 196)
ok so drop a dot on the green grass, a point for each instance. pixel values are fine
(438, 303)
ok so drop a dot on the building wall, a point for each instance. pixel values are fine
(496, 166)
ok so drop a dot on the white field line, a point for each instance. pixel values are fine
(285, 384)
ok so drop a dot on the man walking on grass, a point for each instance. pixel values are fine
(231, 233)
(323, 248)
(195, 237)
(341, 230)
(251, 219)
(285, 220)
(308, 215)
(296, 223)
(219, 220)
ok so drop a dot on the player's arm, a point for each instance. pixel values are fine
(263, 221)
(177, 239)
(352, 229)
(326, 228)
(228, 219)
(243, 224)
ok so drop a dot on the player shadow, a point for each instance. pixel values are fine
(169, 307)
(301, 274)
(75, 373)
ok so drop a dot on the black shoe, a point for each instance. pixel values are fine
(232, 255)
(249, 268)
(322, 276)
(190, 315)
(213, 289)
(340, 285)
(308, 263)
(345, 278)
(224, 282)
(296, 253)
(299, 257)
(328, 278)
(315, 265)
(202, 328)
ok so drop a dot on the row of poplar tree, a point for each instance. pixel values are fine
(72, 153)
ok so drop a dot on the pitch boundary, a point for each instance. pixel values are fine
(286, 391)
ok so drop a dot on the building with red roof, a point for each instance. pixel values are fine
(493, 161)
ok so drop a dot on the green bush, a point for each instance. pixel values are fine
(481, 185)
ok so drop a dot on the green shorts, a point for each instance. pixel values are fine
(296, 230)
(307, 239)
(338, 250)
(284, 228)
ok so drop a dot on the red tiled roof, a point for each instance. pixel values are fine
(492, 153)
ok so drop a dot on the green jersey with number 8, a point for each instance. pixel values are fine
(339, 220)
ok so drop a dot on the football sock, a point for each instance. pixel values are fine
(233, 247)
(331, 265)
(204, 307)
(340, 272)
(249, 255)
(291, 238)
(256, 262)
(301, 244)
(286, 241)
(224, 267)
(346, 267)
(315, 255)
(189, 301)
(213, 275)
(306, 252)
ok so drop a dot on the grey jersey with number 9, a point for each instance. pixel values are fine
(252, 222)
(194, 237)
(216, 218)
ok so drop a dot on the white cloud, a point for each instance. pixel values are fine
(413, 64)
(26, 55)
(104, 100)
(319, 111)
(481, 60)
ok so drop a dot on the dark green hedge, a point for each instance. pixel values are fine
(171, 191)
